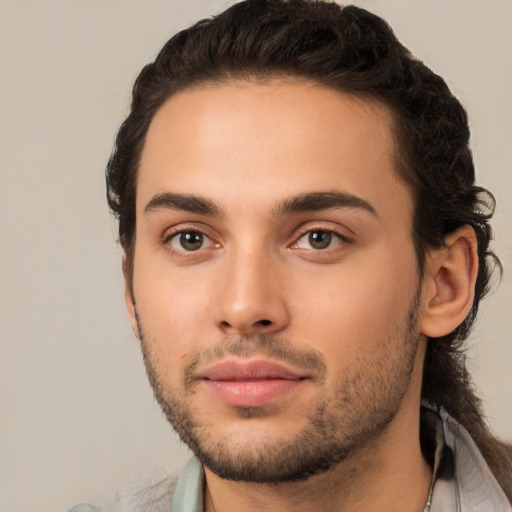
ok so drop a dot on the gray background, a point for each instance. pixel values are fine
(77, 419)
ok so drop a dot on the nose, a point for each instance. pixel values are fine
(251, 297)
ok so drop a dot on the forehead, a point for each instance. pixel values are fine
(263, 141)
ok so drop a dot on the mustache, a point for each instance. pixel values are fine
(267, 346)
(264, 345)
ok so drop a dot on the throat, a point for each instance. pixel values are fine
(353, 486)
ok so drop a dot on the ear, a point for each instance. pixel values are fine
(129, 299)
(449, 283)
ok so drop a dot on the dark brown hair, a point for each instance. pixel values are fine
(353, 51)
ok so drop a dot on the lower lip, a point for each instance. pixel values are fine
(255, 393)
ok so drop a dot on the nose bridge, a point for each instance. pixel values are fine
(251, 293)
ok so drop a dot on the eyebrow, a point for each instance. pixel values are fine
(307, 202)
(317, 201)
(182, 202)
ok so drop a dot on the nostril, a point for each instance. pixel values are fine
(246, 327)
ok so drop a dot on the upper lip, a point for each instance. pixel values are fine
(233, 370)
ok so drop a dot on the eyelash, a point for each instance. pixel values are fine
(182, 252)
(168, 238)
(342, 239)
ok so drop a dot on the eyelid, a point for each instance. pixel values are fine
(336, 244)
(174, 231)
(207, 241)
(186, 227)
(306, 228)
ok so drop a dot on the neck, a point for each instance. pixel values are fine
(390, 472)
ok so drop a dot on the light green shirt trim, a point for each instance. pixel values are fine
(189, 491)
(84, 507)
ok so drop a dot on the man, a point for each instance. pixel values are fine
(305, 252)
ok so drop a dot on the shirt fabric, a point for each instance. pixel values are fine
(462, 481)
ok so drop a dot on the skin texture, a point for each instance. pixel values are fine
(328, 288)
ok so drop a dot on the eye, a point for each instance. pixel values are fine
(189, 241)
(318, 240)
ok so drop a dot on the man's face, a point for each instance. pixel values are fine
(275, 279)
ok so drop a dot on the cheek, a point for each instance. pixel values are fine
(169, 295)
(173, 312)
(357, 308)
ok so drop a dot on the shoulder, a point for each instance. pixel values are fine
(150, 495)
(83, 507)
(474, 484)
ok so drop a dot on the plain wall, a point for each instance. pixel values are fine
(77, 418)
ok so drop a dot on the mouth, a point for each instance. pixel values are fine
(249, 383)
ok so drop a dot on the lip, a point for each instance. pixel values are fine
(253, 383)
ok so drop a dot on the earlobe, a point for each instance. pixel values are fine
(449, 283)
(128, 295)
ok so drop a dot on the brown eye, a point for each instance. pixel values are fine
(188, 241)
(320, 239)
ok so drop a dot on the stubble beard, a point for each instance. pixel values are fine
(363, 403)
